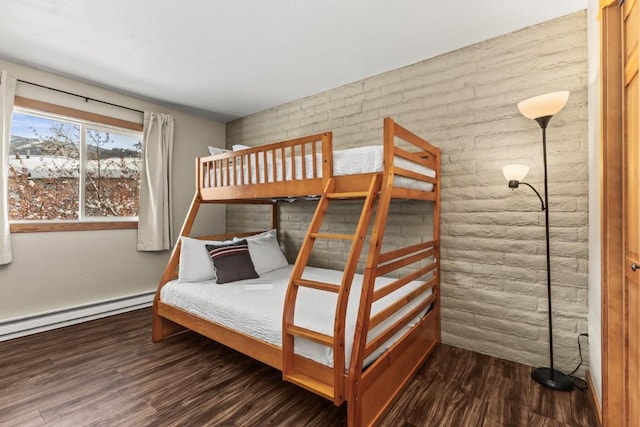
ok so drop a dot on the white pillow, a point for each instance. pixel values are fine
(265, 251)
(195, 264)
(214, 151)
(238, 147)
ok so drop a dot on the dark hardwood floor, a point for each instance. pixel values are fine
(108, 373)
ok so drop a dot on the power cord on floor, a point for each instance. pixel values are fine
(579, 383)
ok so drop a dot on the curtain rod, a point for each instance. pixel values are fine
(86, 98)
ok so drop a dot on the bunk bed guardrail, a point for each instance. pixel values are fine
(294, 168)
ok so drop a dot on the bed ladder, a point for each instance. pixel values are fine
(312, 379)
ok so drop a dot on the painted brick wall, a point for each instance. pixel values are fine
(493, 247)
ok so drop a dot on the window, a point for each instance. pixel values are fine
(64, 169)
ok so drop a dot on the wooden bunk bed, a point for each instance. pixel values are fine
(303, 167)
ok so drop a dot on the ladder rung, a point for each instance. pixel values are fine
(348, 195)
(330, 287)
(333, 236)
(310, 335)
(311, 384)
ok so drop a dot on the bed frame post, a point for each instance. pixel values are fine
(162, 328)
(436, 238)
(274, 215)
(327, 158)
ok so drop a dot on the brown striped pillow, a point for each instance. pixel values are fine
(232, 261)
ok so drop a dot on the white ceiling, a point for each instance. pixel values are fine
(230, 58)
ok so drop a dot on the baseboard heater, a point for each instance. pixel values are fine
(22, 326)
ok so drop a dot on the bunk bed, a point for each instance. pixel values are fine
(380, 329)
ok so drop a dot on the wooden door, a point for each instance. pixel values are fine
(631, 212)
(620, 214)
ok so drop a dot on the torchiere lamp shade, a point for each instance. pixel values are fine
(543, 105)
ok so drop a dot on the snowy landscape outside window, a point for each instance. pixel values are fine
(65, 169)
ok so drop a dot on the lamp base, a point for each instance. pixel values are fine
(553, 379)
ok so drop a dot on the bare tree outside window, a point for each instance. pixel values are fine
(47, 167)
(112, 175)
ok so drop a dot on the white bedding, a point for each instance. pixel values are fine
(254, 307)
(368, 159)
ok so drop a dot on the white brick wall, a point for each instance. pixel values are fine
(493, 251)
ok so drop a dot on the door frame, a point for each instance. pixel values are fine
(611, 150)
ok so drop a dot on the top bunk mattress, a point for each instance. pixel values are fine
(351, 161)
(254, 307)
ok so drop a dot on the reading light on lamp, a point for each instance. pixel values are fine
(541, 109)
(515, 174)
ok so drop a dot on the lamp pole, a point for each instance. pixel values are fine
(549, 377)
(543, 122)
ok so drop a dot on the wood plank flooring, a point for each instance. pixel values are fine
(108, 373)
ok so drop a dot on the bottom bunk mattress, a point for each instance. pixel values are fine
(254, 307)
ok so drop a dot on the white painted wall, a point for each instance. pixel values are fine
(595, 192)
(58, 271)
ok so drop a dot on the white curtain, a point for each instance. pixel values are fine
(7, 95)
(154, 212)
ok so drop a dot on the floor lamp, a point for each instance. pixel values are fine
(541, 109)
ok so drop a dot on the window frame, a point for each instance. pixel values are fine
(85, 119)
